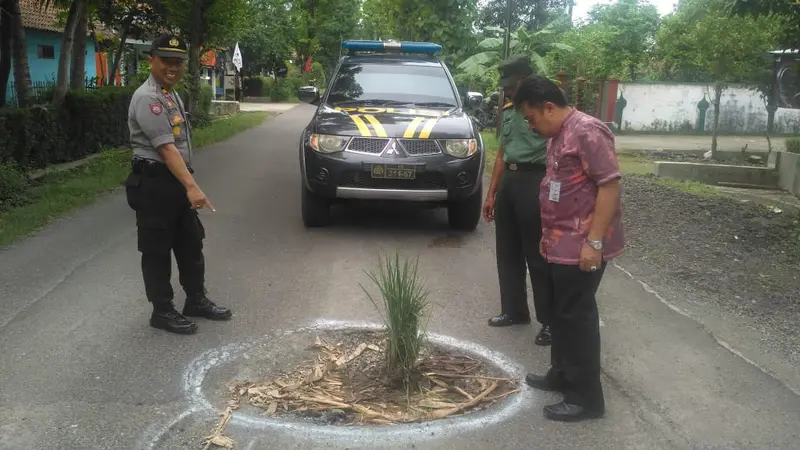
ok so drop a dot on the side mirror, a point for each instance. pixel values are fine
(474, 100)
(308, 94)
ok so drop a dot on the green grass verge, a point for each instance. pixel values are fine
(629, 163)
(491, 144)
(60, 193)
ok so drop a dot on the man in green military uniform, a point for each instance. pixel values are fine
(513, 203)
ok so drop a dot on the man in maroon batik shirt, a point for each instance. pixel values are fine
(581, 232)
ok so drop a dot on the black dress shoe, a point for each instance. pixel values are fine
(504, 320)
(203, 307)
(545, 337)
(566, 412)
(172, 321)
(544, 383)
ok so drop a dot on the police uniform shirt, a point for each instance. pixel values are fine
(520, 144)
(156, 117)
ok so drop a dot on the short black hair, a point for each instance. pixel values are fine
(536, 90)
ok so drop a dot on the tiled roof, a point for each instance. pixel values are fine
(34, 16)
(38, 18)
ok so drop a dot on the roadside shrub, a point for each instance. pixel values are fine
(14, 187)
(316, 77)
(793, 145)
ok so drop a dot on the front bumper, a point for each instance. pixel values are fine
(438, 177)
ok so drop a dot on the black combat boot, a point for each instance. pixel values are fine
(201, 306)
(166, 318)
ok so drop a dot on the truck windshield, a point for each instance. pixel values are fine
(392, 82)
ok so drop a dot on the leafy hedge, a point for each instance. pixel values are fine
(14, 187)
(87, 122)
(793, 145)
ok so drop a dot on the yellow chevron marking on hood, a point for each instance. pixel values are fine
(426, 130)
(401, 111)
(412, 127)
(362, 127)
(376, 125)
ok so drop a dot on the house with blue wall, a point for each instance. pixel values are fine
(43, 35)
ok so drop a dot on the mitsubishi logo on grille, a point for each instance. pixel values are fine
(392, 150)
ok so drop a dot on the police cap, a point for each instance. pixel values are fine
(169, 46)
(513, 69)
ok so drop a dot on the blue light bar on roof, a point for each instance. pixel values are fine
(392, 46)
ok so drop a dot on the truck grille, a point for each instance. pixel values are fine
(368, 145)
(420, 147)
(424, 180)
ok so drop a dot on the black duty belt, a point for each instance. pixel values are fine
(527, 167)
(150, 167)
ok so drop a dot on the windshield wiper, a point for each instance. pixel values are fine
(435, 104)
(371, 102)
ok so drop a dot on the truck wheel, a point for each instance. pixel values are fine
(316, 210)
(465, 214)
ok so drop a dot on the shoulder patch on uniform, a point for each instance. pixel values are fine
(156, 108)
(508, 105)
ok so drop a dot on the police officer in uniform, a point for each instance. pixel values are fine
(164, 194)
(513, 203)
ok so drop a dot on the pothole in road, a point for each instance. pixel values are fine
(333, 379)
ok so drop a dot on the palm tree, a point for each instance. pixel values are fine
(74, 16)
(14, 32)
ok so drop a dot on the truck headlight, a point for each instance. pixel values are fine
(461, 148)
(327, 143)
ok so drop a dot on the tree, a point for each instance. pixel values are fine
(12, 41)
(74, 14)
(77, 76)
(270, 38)
(534, 45)
(700, 45)
(130, 19)
(445, 22)
(785, 12)
(204, 24)
(630, 29)
(528, 14)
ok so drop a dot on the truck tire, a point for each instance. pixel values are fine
(316, 210)
(465, 214)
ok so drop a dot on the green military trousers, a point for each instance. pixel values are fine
(518, 230)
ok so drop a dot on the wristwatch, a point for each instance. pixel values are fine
(597, 245)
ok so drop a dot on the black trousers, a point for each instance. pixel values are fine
(575, 325)
(518, 229)
(166, 224)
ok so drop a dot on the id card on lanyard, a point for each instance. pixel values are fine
(555, 186)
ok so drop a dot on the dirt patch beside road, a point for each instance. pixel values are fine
(717, 253)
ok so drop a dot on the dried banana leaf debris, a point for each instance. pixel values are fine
(460, 386)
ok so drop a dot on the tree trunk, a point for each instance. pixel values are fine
(22, 74)
(717, 98)
(77, 76)
(5, 50)
(195, 41)
(111, 77)
(67, 41)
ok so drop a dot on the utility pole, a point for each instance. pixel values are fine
(507, 37)
(506, 51)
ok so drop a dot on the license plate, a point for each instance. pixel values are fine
(393, 172)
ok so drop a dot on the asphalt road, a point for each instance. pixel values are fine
(81, 369)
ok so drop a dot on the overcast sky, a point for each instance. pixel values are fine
(582, 7)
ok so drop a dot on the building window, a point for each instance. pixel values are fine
(46, 52)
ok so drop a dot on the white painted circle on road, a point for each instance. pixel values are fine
(197, 371)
